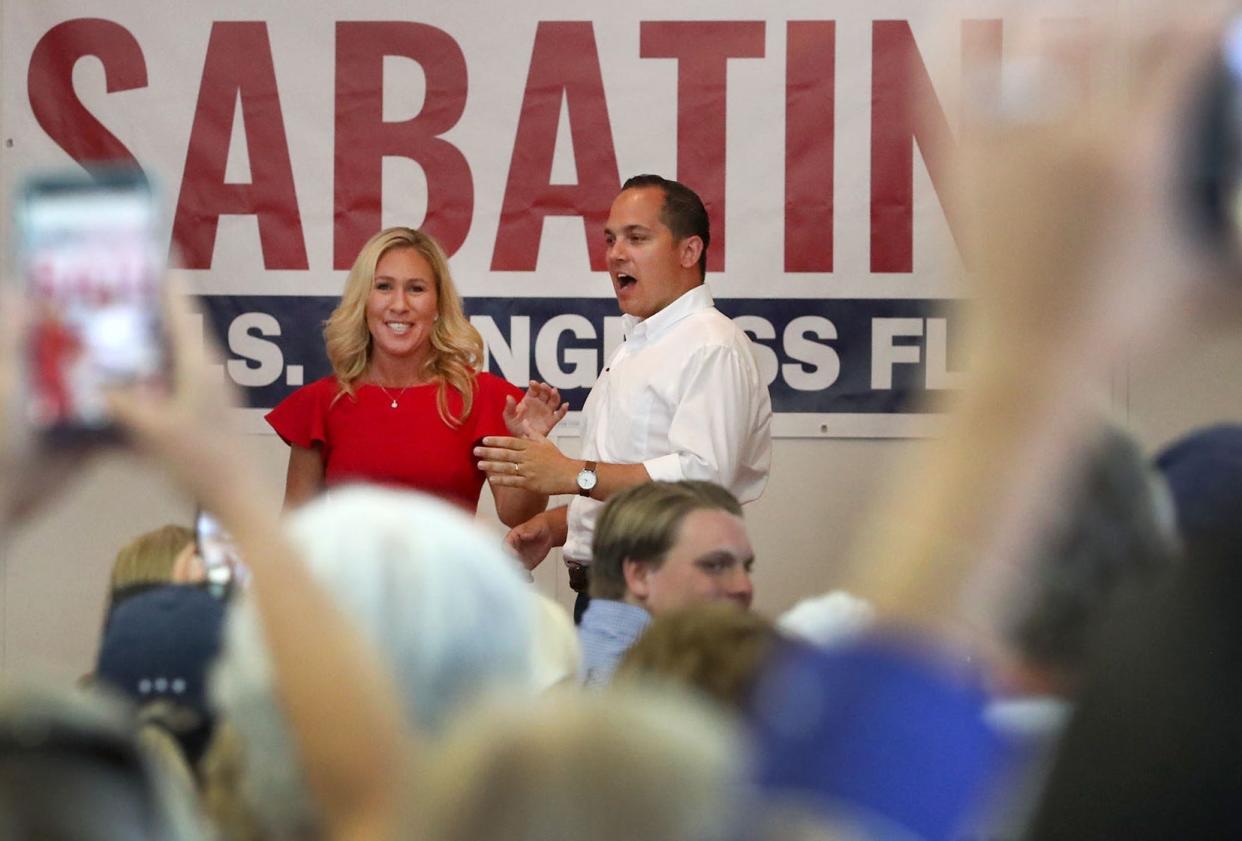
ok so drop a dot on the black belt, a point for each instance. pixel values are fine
(579, 576)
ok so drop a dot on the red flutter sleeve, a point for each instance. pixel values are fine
(301, 419)
(490, 404)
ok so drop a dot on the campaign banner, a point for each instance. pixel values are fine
(284, 135)
(841, 357)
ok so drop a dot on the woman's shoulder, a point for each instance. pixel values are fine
(487, 383)
(321, 392)
(327, 386)
(486, 379)
(300, 417)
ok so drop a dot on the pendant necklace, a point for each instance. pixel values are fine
(393, 404)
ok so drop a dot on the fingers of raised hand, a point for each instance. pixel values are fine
(497, 454)
(501, 442)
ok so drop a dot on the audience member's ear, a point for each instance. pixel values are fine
(636, 573)
(188, 566)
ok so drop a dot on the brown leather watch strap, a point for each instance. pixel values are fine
(589, 466)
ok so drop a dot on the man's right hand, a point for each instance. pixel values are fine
(534, 539)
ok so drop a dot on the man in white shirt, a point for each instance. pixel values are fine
(681, 398)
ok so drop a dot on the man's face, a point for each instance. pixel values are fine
(650, 268)
(709, 561)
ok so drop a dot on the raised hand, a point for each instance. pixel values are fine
(532, 540)
(540, 409)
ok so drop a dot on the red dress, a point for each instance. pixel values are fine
(363, 439)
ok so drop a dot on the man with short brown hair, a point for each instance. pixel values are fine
(659, 547)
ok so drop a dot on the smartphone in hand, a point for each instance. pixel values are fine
(222, 560)
(93, 273)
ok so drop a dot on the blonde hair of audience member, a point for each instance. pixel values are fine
(557, 653)
(457, 347)
(222, 771)
(435, 594)
(714, 649)
(150, 558)
(612, 766)
(174, 776)
(642, 523)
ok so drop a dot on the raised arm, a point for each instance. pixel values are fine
(1082, 257)
(719, 432)
(339, 699)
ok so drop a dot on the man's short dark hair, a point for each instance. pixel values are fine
(1110, 537)
(642, 523)
(683, 213)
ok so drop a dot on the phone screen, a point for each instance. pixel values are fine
(93, 275)
(222, 561)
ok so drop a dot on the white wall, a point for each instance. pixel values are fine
(55, 571)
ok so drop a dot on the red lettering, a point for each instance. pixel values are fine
(810, 127)
(564, 64)
(703, 49)
(905, 110)
(364, 139)
(49, 84)
(239, 64)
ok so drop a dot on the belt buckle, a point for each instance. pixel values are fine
(579, 576)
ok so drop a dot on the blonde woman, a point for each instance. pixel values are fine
(406, 402)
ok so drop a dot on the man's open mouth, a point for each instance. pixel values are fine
(625, 281)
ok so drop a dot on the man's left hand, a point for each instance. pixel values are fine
(533, 464)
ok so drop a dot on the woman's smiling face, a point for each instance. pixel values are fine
(402, 307)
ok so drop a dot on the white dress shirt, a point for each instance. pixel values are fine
(682, 396)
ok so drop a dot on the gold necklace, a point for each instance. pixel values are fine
(389, 393)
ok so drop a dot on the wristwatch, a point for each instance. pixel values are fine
(587, 479)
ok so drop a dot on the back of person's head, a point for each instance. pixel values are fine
(148, 561)
(1152, 751)
(683, 213)
(71, 770)
(157, 648)
(714, 649)
(1109, 539)
(612, 766)
(436, 595)
(642, 524)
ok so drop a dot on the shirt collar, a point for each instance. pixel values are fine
(696, 300)
(622, 620)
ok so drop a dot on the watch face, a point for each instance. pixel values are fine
(586, 479)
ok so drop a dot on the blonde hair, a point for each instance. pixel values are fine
(149, 557)
(599, 766)
(457, 347)
(717, 649)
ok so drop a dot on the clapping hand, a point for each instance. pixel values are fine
(540, 409)
(531, 541)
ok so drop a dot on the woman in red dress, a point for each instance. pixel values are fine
(406, 403)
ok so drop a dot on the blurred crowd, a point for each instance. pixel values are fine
(1037, 639)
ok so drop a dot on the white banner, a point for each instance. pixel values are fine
(284, 135)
